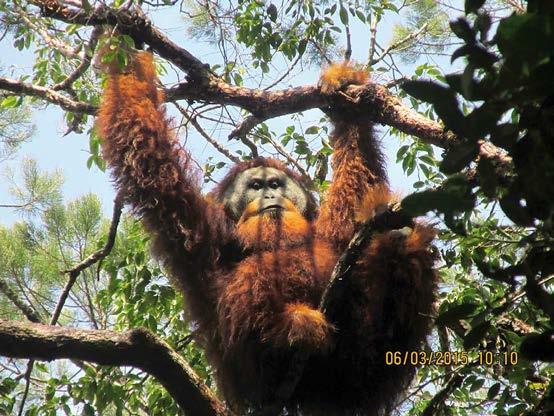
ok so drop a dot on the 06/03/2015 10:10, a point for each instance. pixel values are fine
(446, 358)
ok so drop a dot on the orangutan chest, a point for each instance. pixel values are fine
(292, 274)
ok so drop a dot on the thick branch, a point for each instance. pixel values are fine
(137, 348)
(373, 100)
(130, 22)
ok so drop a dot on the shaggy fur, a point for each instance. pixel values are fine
(253, 287)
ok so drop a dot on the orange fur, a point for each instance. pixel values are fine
(253, 288)
(307, 328)
(258, 297)
(262, 229)
(376, 200)
(338, 75)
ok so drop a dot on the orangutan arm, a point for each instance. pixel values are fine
(359, 177)
(157, 176)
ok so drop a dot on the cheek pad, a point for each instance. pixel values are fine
(296, 194)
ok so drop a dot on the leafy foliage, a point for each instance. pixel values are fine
(499, 258)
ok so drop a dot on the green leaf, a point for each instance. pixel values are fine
(472, 6)
(302, 46)
(9, 102)
(487, 177)
(458, 156)
(443, 99)
(483, 24)
(108, 57)
(505, 135)
(463, 30)
(272, 12)
(538, 346)
(424, 90)
(476, 335)
(455, 313)
(484, 119)
(526, 37)
(476, 54)
(477, 384)
(513, 208)
(401, 152)
(420, 203)
(343, 14)
(493, 391)
(454, 195)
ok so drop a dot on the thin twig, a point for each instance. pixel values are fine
(84, 65)
(205, 135)
(52, 42)
(283, 152)
(348, 51)
(399, 43)
(372, 40)
(27, 377)
(73, 274)
(287, 72)
(244, 127)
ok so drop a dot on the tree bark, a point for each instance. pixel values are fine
(137, 348)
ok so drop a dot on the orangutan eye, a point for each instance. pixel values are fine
(256, 185)
(274, 184)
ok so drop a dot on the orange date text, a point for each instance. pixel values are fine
(417, 358)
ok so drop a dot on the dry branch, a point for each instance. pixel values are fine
(137, 348)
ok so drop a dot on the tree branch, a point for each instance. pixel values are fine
(410, 37)
(85, 62)
(373, 101)
(26, 309)
(137, 348)
(131, 22)
(192, 119)
(206, 87)
(46, 94)
(90, 260)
